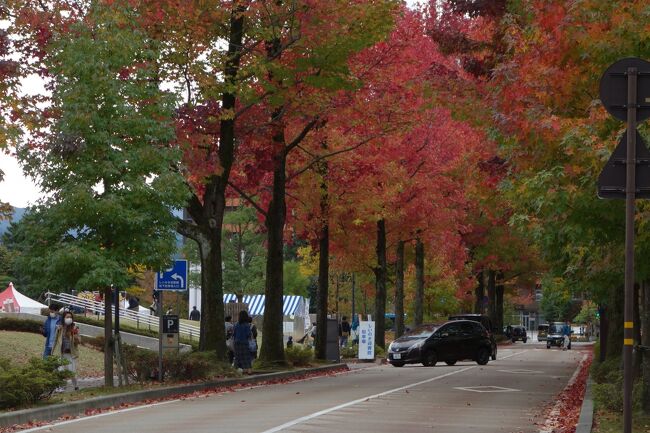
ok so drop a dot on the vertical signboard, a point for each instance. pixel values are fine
(367, 340)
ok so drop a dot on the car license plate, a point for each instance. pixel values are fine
(397, 356)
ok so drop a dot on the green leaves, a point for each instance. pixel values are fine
(107, 161)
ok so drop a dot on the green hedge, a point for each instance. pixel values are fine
(142, 364)
(21, 325)
(299, 355)
(27, 384)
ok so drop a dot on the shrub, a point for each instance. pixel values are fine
(24, 385)
(13, 324)
(609, 371)
(350, 351)
(142, 365)
(299, 356)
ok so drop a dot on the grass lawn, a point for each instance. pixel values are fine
(610, 422)
(20, 346)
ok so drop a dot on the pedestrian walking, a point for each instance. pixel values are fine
(566, 332)
(195, 314)
(230, 342)
(344, 332)
(242, 335)
(253, 341)
(66, 344)
(49, 330)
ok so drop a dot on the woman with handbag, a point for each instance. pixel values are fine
(242, 335)
(66, 344)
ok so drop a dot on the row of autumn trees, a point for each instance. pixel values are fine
(546, 59)
(372, 131)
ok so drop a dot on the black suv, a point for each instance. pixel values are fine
(450, 342)
(487, 324)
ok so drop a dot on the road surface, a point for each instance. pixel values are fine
(505, 396)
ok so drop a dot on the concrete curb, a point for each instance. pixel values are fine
(586, 420)
(76, 408)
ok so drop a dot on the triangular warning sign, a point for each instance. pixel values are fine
(611, 181)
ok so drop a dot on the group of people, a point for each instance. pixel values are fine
(62, 339)
(241, 339)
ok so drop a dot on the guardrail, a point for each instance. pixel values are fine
(134, 318)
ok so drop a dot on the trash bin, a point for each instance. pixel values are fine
(332, 347)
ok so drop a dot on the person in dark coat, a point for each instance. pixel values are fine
(195, 314)
(344, 332)
(253, 344)
(49, 330)
(242, 335)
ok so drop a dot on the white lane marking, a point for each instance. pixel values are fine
(99, 415)
(486, 389)
(370, 397)
(522, 371)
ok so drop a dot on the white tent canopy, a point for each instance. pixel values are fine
(11, 300)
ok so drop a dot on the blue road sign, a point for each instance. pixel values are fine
(174, 278)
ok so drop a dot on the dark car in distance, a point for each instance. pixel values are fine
(487, 324)
(518, 333)
(450, 342)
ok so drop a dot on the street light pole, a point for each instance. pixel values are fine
(630, 192)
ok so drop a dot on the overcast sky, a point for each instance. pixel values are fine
(21, 191)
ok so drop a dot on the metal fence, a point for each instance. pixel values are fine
(133, 318)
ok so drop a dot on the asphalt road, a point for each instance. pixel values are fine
(506, 395)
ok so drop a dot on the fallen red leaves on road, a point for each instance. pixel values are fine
(562, 416)
(196, 394)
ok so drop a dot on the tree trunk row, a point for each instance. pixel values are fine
(381, 272)
(419, 282)
(399, 290)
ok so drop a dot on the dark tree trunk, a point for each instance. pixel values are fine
(479, 293)
(272, 350)
(499, 303)
(419, 283)
(399, 290)
(207, 212)
(615, 325)
(604, 332)
(645, 341)
(323, 293)
(213, 335)
(323, 263)
(108, 338)
(337, 295)
(380, 285)
(491, 290)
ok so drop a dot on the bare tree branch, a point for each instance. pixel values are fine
(248, 199)
(296, 141)
(329, 155)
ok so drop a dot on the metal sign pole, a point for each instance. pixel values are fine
(160, 335)
(630, 191)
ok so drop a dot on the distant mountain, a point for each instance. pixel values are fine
(18, 214)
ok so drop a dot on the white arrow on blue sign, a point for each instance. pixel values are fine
(174, 278)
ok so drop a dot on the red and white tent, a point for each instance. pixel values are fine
(12, 301)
